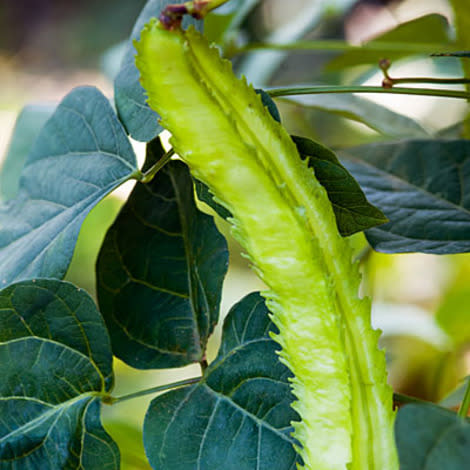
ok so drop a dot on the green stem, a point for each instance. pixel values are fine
(342, 46)
(389, 82)
(444, 81)
(200, 8)
(465, 405)
(275, 92)
(152, 171)
(161, 388)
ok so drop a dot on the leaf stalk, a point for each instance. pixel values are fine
(465, 405)
(341, 46)
(277, 92)
(389, 82)
(109, 400)
(148, 176)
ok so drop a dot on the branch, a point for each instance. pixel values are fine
(109, 400)
(341, 46)
(276, 92)
(172, 16)
(148, 176)
(465, 405)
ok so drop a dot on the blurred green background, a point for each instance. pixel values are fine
(421, 302)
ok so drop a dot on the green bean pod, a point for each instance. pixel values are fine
(283, 219)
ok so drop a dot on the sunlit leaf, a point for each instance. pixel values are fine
(65, 176)
(362, 110)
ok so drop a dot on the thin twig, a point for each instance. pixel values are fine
(153, 170)
(275, 92)
(149, 391)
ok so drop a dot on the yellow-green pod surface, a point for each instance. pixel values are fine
(285, 222)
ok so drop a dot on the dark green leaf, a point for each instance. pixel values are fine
(362, 110)
(239, 416)
(131, 101)
(81, 154)
(55, 362)
(81, 271)
(28, 124)
(269, 104)
(352, 210)
(160, 273)
(422, 186)
(432, 438)
(204, 195)
(433, 29)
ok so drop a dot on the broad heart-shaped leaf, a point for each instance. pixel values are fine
(432, 29)
(373, 115)
(160, 272)
(239, 416)
(432, 438)
(352, 210)
(130, 98)
(27, 127)
(423, 187)
(55, 362)
(82, 153)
